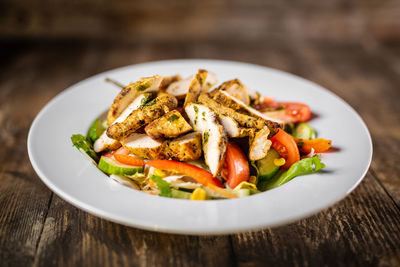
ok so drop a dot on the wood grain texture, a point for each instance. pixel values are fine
(349, 234)
(156, 20)
(38, 228)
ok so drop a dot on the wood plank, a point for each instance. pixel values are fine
(30, 79)
(361, 230)
(72, 237)
(23, 200)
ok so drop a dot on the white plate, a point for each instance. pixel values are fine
(75, 179)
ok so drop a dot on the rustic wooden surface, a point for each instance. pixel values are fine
(38, 228)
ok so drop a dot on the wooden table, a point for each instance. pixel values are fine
(38, 228)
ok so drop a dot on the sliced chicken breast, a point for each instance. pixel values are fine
(144, 146)
(232, 127)
(129, 93)
(259, 144)
(204, 120)
(142, 116)
(236, 89)
(243, 119)
(232, 102)
(168, 80)
(180, 88)
(195, 87)
(170, 125)
(211, 80)
(184, 148)
(106, 143)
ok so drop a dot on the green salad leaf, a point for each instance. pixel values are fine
(163, 186)
(81, 143)
(302, 167)
(96, 129)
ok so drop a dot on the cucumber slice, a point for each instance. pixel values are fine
(266, 166)
(111, 166)
(304, 131)
(242, 192)
(180, 194)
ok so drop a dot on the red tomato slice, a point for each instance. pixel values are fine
(298, 111)
(292, 112)
(286, 146)
(122, 151)
(237, 165)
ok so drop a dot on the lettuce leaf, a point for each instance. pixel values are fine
(96, 129)
(302, 167)
(163, 186)
(81, 143)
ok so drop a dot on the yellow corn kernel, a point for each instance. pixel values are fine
(199, 194)
(279, 162)
(159, 173)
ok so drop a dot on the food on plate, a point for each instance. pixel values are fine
(191, 138)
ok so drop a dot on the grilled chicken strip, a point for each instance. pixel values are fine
(204, 120)
(168, 80)
(259, 144)
(142, 116)
(232, 127)
(106, 143)
(196, 86)
(236, 89)
(184, 148)
(129, 93)
(144, 146)
(180, 88)
(170, 125)
(211, 80)
(242, 119)
(258, 139)
(228, 100)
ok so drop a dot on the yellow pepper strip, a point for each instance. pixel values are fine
(198, 194)
(158, 172)
(279, 162)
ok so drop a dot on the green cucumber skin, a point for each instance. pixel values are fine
(243, 192)
(108, 168)
(267, 168)
(304, 131)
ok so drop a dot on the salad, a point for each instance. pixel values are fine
(194, 139)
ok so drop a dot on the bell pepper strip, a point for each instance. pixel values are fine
(221, 191)
(286, 146)
(319, 145)
(200, 175)
(128, 160)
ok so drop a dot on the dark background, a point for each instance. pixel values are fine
(358, 22)
(350, 47)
